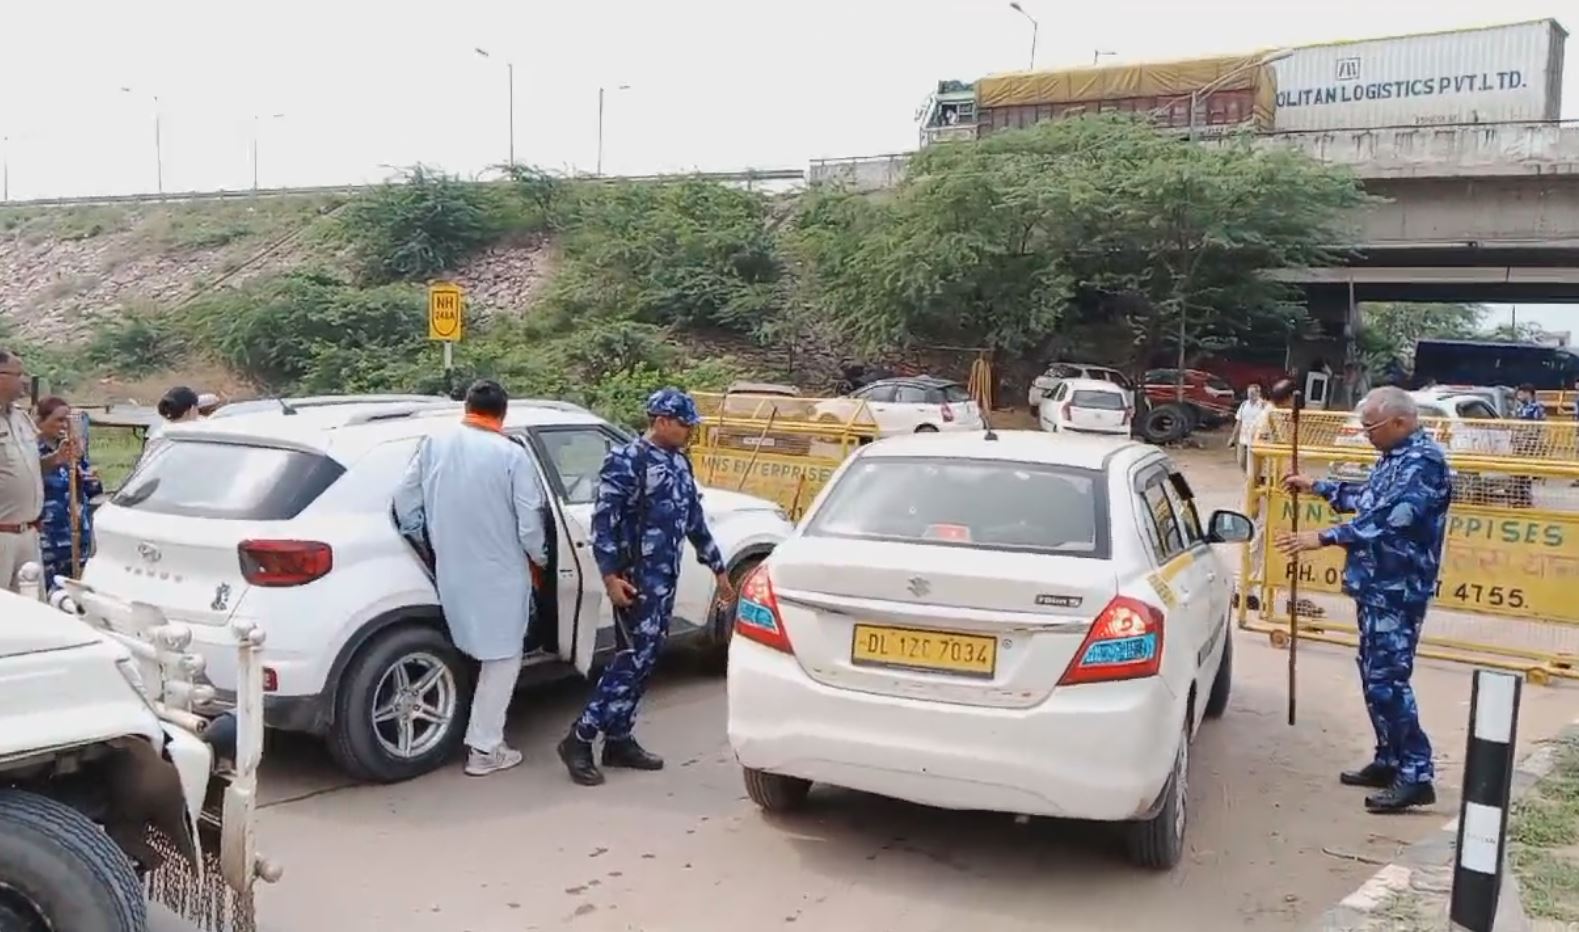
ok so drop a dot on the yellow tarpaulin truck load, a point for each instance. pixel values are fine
(1241, 91)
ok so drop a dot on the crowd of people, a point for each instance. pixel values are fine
(48, 486)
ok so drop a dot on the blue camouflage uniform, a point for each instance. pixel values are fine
(1394, 546)
(646, 494)
(54, 526)
(1531, 410)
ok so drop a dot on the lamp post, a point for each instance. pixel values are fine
(1015, 6)
(158, 145)
(601, 94)
(1098, 54)
(5, 168)
(255, 118)
(509, 71)
(1196, 96)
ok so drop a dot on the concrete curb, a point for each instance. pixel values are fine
(1426, 867)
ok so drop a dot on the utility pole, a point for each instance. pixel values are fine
(158, 144)
(622, 87)
(1015, 6)
(5, 168)
(272, 116)
(1098, 54)
(509, 72)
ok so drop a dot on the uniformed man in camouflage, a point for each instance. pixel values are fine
(1394, 544)
(648, 505)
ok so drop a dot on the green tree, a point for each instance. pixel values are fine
(1096, 223)
(687, 253)
(1389, 329)
(416, 228)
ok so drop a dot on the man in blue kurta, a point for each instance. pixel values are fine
(1394, 544)
(479, 497)
(648, 506)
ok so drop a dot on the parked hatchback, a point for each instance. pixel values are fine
(1087, 406)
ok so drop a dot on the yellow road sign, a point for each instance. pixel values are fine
(444, 312)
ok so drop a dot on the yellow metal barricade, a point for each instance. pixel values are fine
(780, 447)
(1558, 404)
(1508, 594)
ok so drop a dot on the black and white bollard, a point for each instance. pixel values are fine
(1483, 814)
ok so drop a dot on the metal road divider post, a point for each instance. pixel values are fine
(1510, 566)
(780, 447)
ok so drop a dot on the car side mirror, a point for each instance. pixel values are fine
(1230, 527)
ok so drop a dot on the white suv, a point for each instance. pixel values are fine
(285, 520)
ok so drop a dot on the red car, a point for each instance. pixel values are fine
(1211, 400)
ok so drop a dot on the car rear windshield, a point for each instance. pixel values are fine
(204, 479)
(985, 504)
(1108, 401)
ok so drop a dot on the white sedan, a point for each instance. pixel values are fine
(1006, 622)
(1087, 406)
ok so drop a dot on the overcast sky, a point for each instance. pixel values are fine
(712, 84)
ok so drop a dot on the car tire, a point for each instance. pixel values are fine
(1222, 684)
(370, 753)
(716, 654)
(1158, 842)
(1165, 423)
(774, 792)
(59, 870)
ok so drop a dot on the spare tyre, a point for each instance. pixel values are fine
(1166, 423)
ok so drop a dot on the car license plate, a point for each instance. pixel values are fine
(913, 649)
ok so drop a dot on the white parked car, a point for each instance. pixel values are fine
(1452, 421)
(1044, 384)
(96, 752)
(912, 405)
(1017, 623)
(1087, 406)
(285, 520)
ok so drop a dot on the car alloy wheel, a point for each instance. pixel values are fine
(414, 705)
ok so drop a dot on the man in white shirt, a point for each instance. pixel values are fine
(1247, 420)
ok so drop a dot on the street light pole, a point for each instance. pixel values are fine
(1196, 96)
(622, 87)
(1098, 54)
(272, 116)
(1015, 6)
(5, 168)
(158, 144)
(509, 71)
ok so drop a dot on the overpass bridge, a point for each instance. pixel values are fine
(1473, 212)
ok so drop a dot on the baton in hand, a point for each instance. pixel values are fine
(1293, 582)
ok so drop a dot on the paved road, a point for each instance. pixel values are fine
(1273, 841)
(684, 850)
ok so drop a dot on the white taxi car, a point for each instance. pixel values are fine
(1087, 406)
(1010, 622)
(283, 520)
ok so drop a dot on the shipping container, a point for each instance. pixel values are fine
(1499, 74)
(1240, 92)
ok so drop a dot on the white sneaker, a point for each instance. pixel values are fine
(483, 763)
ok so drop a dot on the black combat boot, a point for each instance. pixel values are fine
(625, 752)
(577, 755)
(1374, 775)
(1401, 796)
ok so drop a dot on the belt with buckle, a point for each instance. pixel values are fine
(19, 528)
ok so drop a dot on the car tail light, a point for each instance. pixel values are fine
(757, 615)
(948, 414)
(278, 563)
(1124, 643)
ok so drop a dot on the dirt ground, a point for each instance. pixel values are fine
(1273, 841)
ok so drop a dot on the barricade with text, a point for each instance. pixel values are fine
(1510, 564)
(780, 447)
